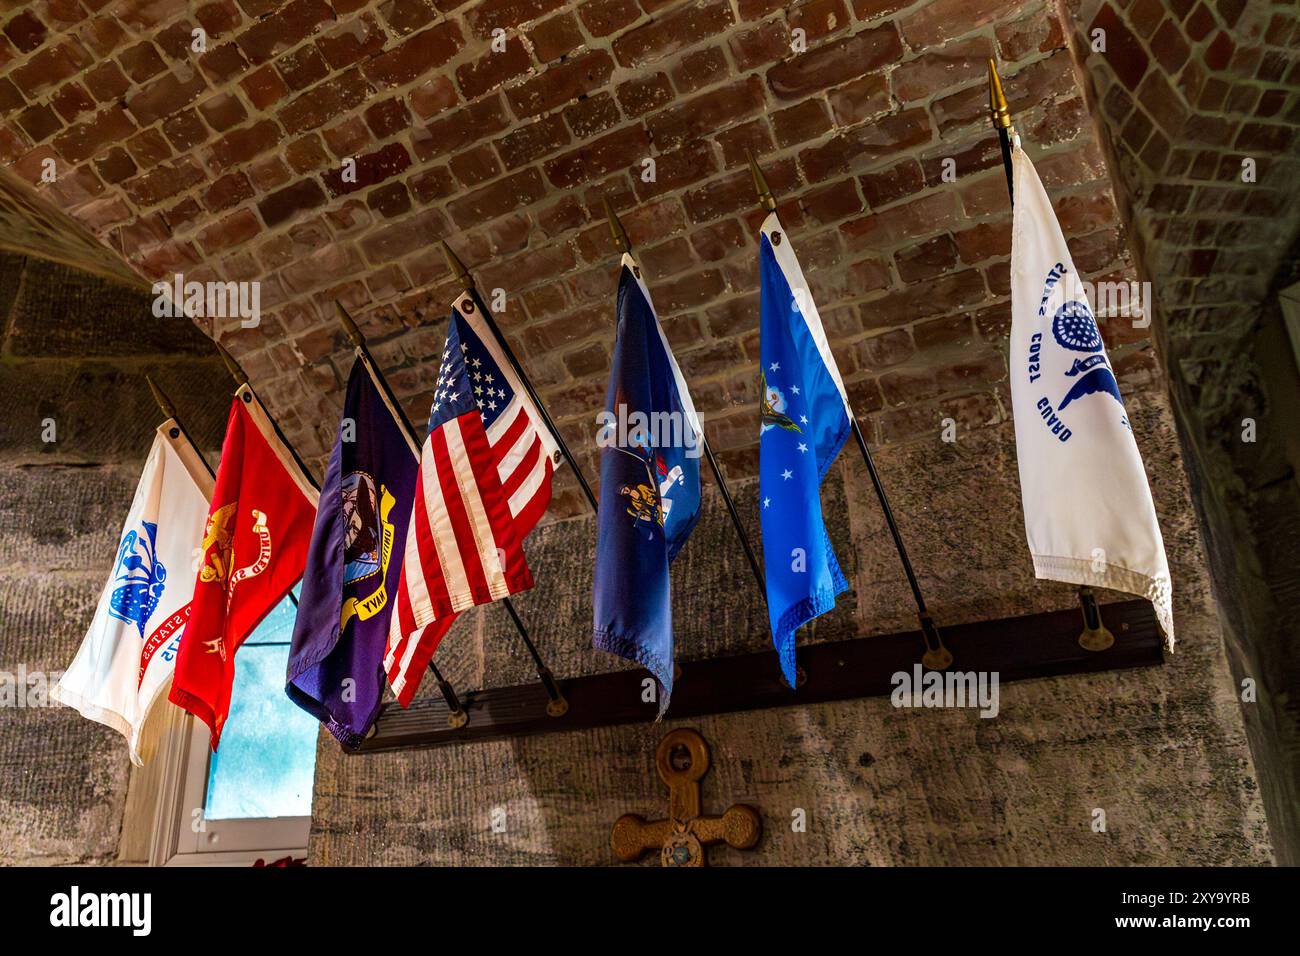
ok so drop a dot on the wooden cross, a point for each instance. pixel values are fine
(681, 838)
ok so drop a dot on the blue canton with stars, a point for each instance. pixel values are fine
(803, 426)
(468, 378)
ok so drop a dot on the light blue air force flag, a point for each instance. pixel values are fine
(805, 420)
(649, 487)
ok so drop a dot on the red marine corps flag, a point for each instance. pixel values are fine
(253, 551)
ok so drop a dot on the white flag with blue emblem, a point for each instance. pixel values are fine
(1089, 515)
(127, 658)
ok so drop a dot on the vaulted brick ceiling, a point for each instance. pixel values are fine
(228, 164)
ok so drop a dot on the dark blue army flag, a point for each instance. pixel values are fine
(336, 660)
(804, 421)
(649, 487)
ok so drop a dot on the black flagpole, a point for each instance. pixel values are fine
(1094, 636)
(467, 283)
(557, 706)
(456, 716)
(624, 244)
(936, 656)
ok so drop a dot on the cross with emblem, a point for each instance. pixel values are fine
(682, 759)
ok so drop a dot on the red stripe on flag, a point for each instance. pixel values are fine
(451, 473)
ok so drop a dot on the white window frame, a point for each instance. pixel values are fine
(184, 757)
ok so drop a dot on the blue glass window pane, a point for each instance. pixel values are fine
(267, 760)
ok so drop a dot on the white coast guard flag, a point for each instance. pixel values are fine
(126, 661)
(1088, 510)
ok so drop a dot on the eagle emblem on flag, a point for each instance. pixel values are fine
(141, 576)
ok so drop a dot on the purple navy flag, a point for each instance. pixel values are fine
(348, 590)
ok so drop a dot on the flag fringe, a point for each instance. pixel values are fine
(1157, 590)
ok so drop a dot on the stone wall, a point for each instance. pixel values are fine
(73, 357)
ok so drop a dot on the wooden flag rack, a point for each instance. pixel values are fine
(1017, 648)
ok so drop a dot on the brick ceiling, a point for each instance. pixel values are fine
(228, 164)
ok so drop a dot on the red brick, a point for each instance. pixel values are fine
(433, 183)
(468, 125)
(820, 18)
(302, 67)
(719, 240)
(641, 94)
(163, 182)
(115, 165)
(833, 203)
(102, 35)
(185, 130)
(416, 56)
(348, 137)
(937, 70)
(107, 82)
(39, 122)
(866, 144)
(556, 37)
(229, 190)
(404, 16)
(835, 63)
(50, 66)
(176, 41)
(801, 123)
(26, 31)
(683, 167)
(286, 203)
(889, 228)
(387, 118)
(706, 113)
(700, 68)
(618, 150)
(860, 100)
(264, 87)
(349, 42)
(237, 228)
(241, 145)
(491, 68)
(560, 84)
(431, 98)
(767, 43)
(1125, 53)
(149, 148)
(222, 111)
(489, 15)
(603, 17)
(72, 100)
(940, 20)
(168, 94)
(925, 260)
(306, 154)
(667, 34)
(475, 166)
(141, 62)
(324, 102)
(481, 205)
(527, 144)
(222, 63)
(389, 201)
(284, 29)
(372, 168)
(83, 140)
(218, 18)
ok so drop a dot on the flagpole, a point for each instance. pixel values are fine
(1094, 636)
(456, 716)
(557, 706)
(169, 410)
(467, 283)
(624, 244)
(937, 656)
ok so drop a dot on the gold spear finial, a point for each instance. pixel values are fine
(457, 267)
(232, 366)
(998, 100)
(168, 409)
(765, 197)
(616, 229)
(353, 333)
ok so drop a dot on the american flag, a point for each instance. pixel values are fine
(485, 481)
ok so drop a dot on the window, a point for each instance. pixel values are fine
(252, 798)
